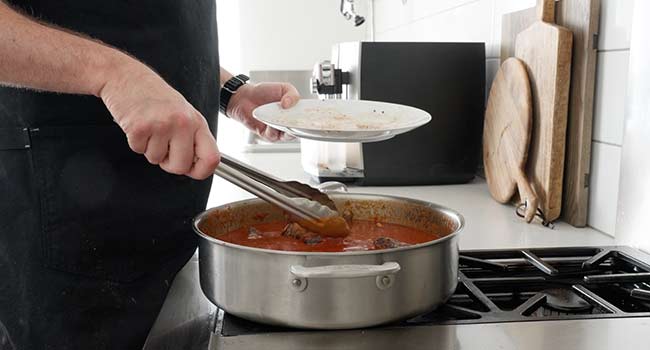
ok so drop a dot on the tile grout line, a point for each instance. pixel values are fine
(413, 20)
(612, 235)
(613, 50)
(607, 143)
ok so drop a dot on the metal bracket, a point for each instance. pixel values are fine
(299, 284)
(385, 282)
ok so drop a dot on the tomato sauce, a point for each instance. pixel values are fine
(364, 235)
(333, 226)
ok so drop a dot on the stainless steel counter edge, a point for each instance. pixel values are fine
(631, 333)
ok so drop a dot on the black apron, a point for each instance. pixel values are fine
(91, 234)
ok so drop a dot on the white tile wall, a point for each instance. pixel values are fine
(634, 189)
(506, 6)
(480, 20)
(609, 111)
(442, 26)
(291, 34)
(609, 107)
(605, 166)
(502, 7)
(400, 34)
(390, 14)
(615, 24)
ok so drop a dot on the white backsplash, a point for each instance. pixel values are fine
(480, 20)
(634, 200)
(611, 87)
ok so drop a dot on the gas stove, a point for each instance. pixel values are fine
(551, 298)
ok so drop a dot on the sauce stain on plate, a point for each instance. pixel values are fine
(343, 120)
(332, 119)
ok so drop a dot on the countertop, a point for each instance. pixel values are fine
(489, 225)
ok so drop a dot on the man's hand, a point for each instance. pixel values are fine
(160, 123)
(251, 96)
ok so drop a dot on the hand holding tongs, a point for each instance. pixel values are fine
(298, 199)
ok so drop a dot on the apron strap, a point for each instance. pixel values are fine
(14, 139)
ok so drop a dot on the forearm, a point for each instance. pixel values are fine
(38, 56)
(224, 76)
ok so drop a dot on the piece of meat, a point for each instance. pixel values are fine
(388, 243)
(348, 215)
(254, 233)
(298, 232)
(311, 240)
(294, 230)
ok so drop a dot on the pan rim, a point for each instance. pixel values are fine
(460, 220)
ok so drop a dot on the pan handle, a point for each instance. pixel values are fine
(345, 271)
(332, 187)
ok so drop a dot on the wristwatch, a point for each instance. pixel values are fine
(230, 88)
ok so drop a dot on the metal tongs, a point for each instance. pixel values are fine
(298, 199)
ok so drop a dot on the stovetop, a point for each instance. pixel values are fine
(552, 298)
(527, 285)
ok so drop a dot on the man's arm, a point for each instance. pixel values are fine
(37, 56)
(156, 119)
(224, 76)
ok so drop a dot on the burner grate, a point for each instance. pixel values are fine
(563, 283)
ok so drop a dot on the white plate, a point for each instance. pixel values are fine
(342, 120)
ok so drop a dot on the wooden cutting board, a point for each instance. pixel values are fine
(582, 18)
(506, 135)
(545, 48)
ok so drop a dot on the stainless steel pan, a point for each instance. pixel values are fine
(329, 290)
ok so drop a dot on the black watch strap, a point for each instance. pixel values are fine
(229, 89)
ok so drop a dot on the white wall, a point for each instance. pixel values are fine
(480, 20)
(609, 111)
(634, 190)
(293, 34)
(228, 18)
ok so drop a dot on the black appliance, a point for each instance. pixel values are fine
(445, 79)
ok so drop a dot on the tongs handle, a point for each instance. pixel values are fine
(260, 176)
(251, 184)
(257, 174)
